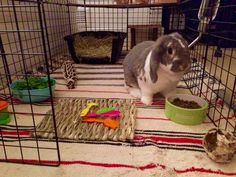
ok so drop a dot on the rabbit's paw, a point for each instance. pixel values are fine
(147, 100)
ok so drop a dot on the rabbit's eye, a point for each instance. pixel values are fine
(170, 51)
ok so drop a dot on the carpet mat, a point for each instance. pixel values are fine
(69, 122)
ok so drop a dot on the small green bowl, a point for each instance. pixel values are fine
(186, 116)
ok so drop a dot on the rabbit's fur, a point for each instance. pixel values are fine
(156, 67)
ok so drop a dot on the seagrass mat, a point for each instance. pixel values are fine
(70, 126)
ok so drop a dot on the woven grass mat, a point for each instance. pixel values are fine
(69, 125)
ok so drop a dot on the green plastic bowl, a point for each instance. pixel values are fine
(186, 116)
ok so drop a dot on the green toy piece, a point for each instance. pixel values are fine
(105, 109)
(4, 114)
(5, 121)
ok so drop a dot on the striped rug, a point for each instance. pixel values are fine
(160, 147)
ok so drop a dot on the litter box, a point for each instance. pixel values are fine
(95, 46)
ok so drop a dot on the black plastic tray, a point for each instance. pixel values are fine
(117, 45)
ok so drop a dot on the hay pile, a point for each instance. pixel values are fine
(93, 47)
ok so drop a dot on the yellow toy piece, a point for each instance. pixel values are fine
(85, 111)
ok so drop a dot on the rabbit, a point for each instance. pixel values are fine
(156, 67)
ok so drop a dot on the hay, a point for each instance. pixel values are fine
(93, 47)
(70, 125)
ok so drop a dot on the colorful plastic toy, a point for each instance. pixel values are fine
(4, 114)
(105, 109)
(111, 123)
(87, 109)
(114, 113)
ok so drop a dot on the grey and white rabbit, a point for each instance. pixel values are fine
(156, 67)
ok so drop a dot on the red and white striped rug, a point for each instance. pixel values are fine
(160, 146)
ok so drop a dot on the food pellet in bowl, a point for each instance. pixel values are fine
(185, 104)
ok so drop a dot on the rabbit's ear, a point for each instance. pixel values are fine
(156, 57)
(180, 38)
(177, 35)
(154, 65)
